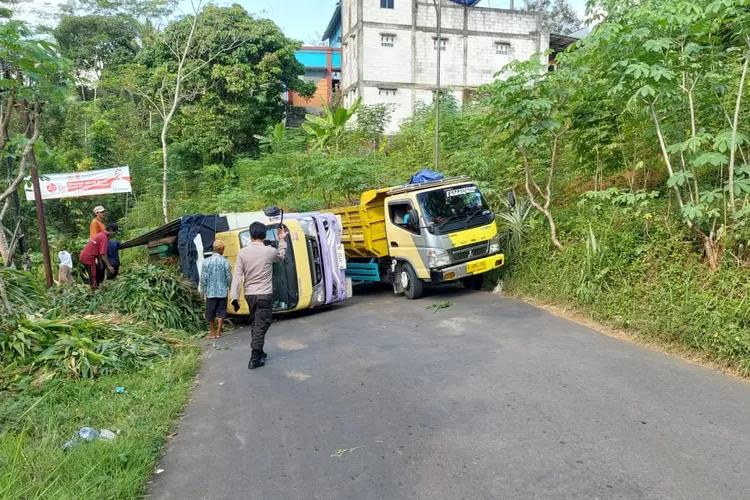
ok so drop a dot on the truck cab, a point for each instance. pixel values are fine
(311, 274)
(426, 233)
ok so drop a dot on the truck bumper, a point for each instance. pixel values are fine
(467, 269)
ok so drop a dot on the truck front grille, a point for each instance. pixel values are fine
(469, 252)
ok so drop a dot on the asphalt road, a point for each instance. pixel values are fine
(382, 398)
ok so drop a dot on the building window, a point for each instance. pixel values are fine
(387, 92)
(443, 43)
(502, 48)
(387, 40)
(386, 4)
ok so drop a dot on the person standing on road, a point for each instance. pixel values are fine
(97, 223)
(216, 277)
(254, 265)
(96, 251)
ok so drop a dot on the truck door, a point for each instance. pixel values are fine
(405, 239)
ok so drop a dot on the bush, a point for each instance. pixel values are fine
(73, 331)
(38, 348)
(154, 295)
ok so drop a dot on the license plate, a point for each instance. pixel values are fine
(477, 267)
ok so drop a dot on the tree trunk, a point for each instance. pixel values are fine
(4, 250)
(714, 251)
(4, 296)
(164, 200)
(735, 125)
(543, 209)
(553, 230)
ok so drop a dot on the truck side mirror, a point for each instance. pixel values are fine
(413, 219)
(511, 199)
(271, 212)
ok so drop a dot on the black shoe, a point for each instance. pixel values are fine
(253, 364)
(256, 360)
(264, 355)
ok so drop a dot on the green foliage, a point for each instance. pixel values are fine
(154, 295)
(515, 224)
(327, 132)
(36, 348)
(94, 42)
(157, 297)
(36, 423)
(236, 72)
(103, 138)
(24, 292)
(129, 323)
(682, 66)
(372, 121)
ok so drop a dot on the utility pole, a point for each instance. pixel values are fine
(439, 46)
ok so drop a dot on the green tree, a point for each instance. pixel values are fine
(33, 74)
(558, 16)
(530, 109)
(94, 42)
(103, 144)
(683, 65)
(225, 72)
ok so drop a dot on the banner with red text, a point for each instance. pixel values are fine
(90, 183)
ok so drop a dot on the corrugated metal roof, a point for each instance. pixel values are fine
(335, 21)
(169, 229)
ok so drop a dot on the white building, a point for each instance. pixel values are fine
(389, 50)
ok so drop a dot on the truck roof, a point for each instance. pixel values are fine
(427, 185)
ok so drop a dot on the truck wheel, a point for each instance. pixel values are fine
(410, 283)
(475, 282)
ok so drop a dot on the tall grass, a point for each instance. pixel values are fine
(35, 425)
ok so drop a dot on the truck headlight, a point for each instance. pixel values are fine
(437, 257)
(495, 244)
(318, 295)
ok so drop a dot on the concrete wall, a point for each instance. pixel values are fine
(392, 64)
(399, 14)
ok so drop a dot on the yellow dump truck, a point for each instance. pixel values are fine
(423, 233)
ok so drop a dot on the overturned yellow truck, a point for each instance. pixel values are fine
(419, 234)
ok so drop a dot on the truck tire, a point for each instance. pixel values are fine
(475, 282)
(413, 286)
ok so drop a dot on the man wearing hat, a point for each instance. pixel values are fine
(96, 250)
(97, 224)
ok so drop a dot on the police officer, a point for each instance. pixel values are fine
(254, 265)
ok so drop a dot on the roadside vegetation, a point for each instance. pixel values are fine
(629, 162)
(63, 353)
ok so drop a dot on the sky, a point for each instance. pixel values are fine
(304, 20)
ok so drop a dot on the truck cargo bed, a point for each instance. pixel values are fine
(363, 233)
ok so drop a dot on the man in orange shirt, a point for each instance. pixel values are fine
(97, 224)
(96, 250)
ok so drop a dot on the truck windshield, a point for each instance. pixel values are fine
(454, 208)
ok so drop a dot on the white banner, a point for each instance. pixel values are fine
(90, 183)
